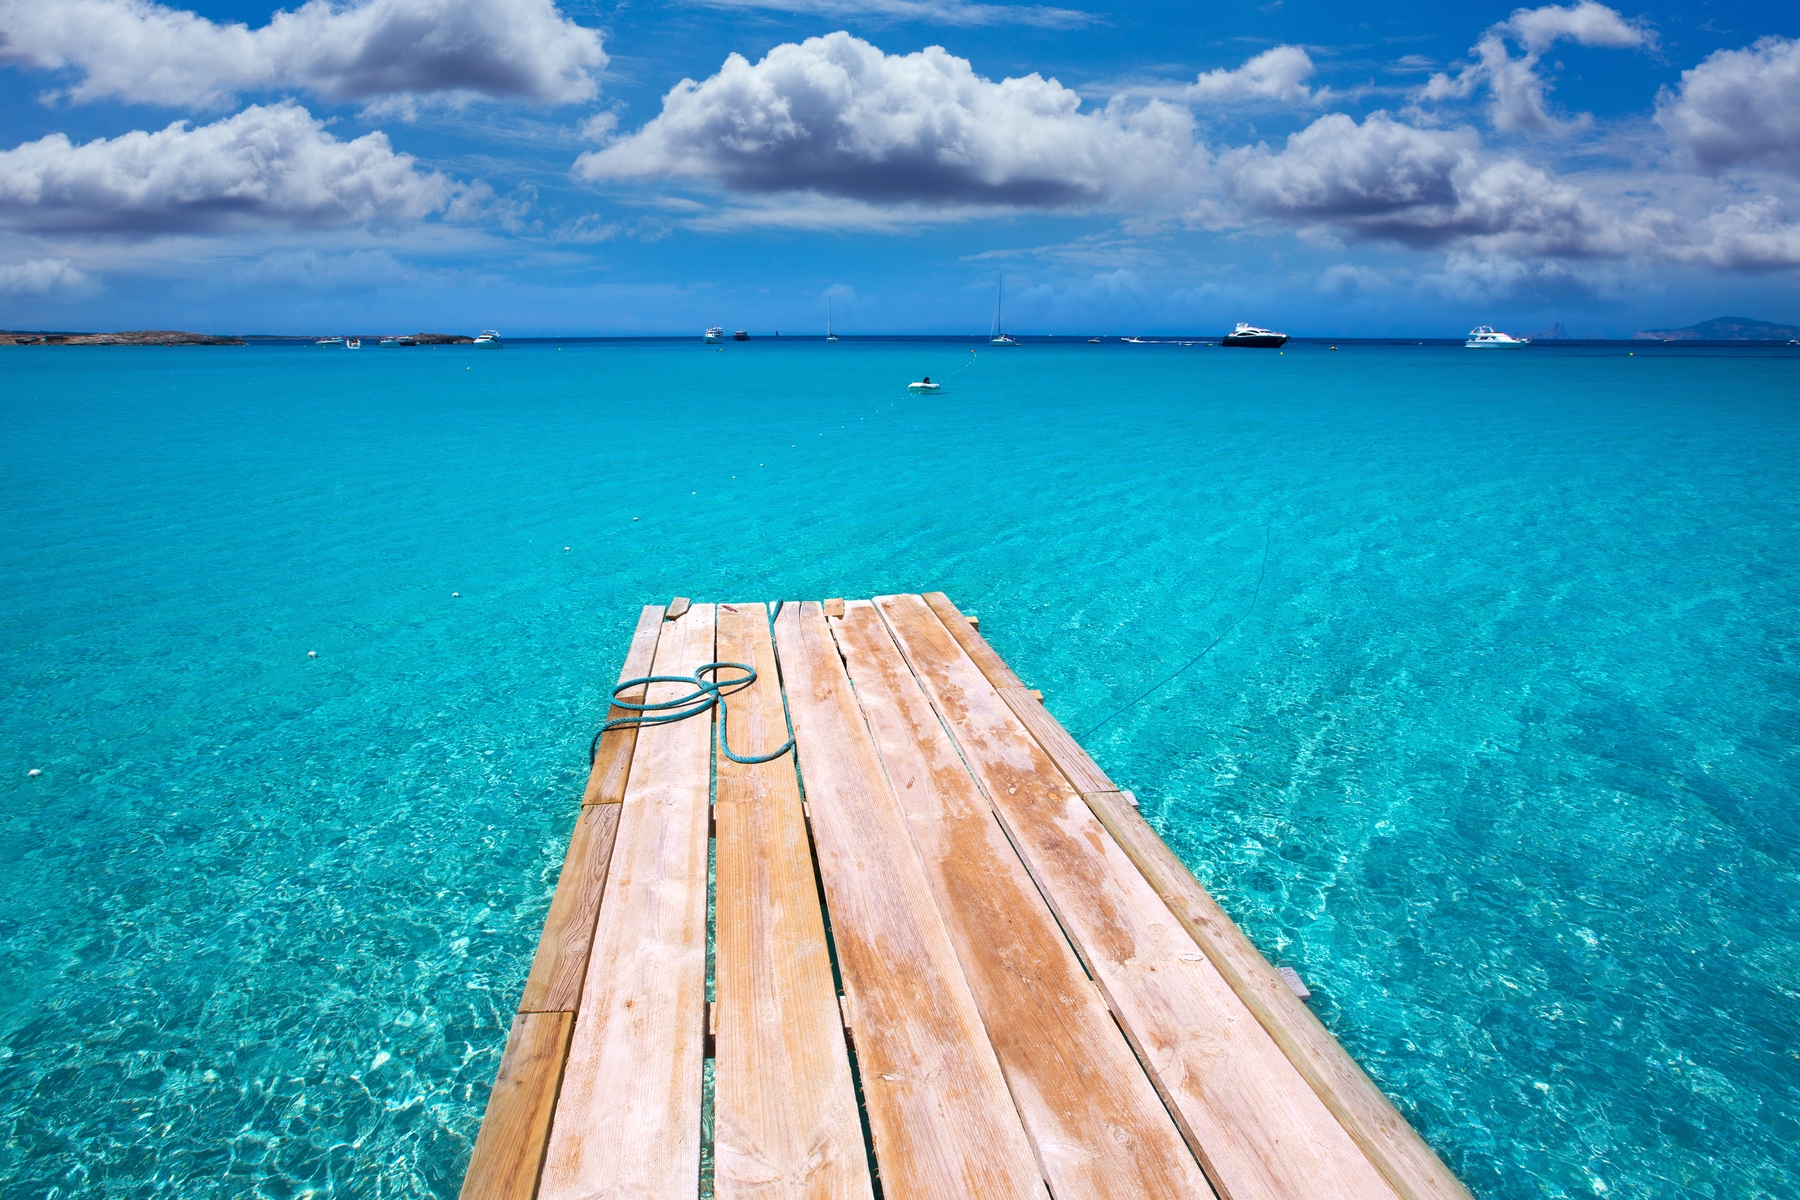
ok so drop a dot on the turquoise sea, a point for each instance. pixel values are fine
(1504, 759)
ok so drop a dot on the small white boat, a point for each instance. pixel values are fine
(1136, 341)
(715, 334)
(924, 386)
(999, 337)
(353, 344)
(330, 341)
(386, 342)
(490, 339)
(1483, 336)
(829, 336)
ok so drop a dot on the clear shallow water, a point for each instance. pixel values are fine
(1503, 759)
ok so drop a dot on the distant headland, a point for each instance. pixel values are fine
(1725, 329)
(176, 337)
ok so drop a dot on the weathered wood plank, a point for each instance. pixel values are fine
(1095, 1120)
(784, 1110)
(939, 1111)
(1366, 1114)
(974, 645)
(834, 608)
(627, 1122)
(1064, 750)
(1257, 1126)
(509, 1150)
(678, 608)
(612, 758)
(562, 951)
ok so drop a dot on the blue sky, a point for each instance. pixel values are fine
(594, 168)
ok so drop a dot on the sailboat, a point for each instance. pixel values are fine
(829, 336)
(1000, 338)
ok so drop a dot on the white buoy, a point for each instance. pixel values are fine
(312, 654)
(456, 595)
(565, 548)
(34, 772)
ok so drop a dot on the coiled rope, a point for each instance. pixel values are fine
(707, 692)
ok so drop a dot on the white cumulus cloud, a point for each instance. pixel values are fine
(1278, 74)
(1739, 107)
(145, 53)
(43, 277)
(837, 117)
(1517, 94)
(265, 167)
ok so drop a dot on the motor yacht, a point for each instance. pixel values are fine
(1483, 336)
(353, 343)
(715, 334)
(740, 336)
(1255, 336)
(330, 341)
(490, 339)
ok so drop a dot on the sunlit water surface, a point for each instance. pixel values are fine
(1502, 758)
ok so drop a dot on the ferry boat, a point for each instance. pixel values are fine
(490, 339)
(1252, 335)
(715, 334)
(330, 341)
(1483, 336)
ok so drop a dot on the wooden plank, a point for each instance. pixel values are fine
(562, 951)
(1258, 1128)
(678, 608)
(942, 1121)
(628, 1119)
(509, 1150)
(1064, 750)
(612, 758)
(834, 608)
(1095, 1120)
(784, 1115)
(974, 645)
(1366, 1114)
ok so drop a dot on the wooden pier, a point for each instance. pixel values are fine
(949, 959)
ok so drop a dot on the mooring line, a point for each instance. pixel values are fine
(707, 692)
(1268, 531)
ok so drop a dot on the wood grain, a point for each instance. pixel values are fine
(627, 1123)
(974, 645)
(785, 1117)
(1366, 1114)
(942, 1120)
(1064, 750)
(560, 965)
(509, 1150)
(1257, 1126)
(612, 758)
(1093, 1116)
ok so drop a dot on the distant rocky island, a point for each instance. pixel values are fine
(1725, 329)
(141, 337)
(175, 337)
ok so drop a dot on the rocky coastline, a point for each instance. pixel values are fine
(142, 337)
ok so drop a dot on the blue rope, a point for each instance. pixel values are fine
(707, 692)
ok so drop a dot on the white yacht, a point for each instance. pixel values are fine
(999, 338)
(490, 339)
(330, 341)
(353, 343)
(1252, 335)
(716, 333)
(1483, 336)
